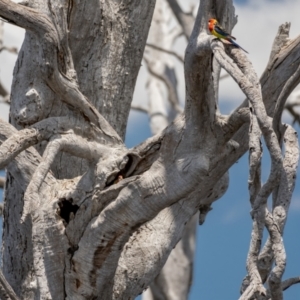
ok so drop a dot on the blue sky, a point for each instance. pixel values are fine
(223, 240)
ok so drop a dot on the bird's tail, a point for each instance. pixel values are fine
(236, 45)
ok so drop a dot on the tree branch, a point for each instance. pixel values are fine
(140, 108)
(252, 91)
(6, 291)
(280, 105)
(9, 49)
(64, 86)
(3, 91)
(282, 197)
(147, 202)
(255, 155)
(229, 125)
(186, 20)
(172, 92)
(2, 182)
(178, 56)
(44, 130)
(290, 108)
(289, 282)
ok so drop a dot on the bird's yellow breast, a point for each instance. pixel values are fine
(217, 34)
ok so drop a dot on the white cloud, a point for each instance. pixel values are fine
(258, 23)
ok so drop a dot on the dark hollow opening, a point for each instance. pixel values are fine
(66, 208)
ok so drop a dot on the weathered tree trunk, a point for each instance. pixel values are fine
(99, 48)
(175, 278)
(87, 218)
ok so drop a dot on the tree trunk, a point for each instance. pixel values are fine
(100, 51)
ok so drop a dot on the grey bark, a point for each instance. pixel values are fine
(175, 279)
(86, 218)
(6, 292)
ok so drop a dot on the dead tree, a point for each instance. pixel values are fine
(87, 218)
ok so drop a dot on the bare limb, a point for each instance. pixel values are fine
(279, 256)
(140, 108)
(255, 155)
(290, 108)
(285, 92)
(284, 286)
(162, 74)
(283, 196)
(229, 125)
(147, 195)
(224, 76)
(9, 49)
(2, 182)
(44, 130)
(172, 92)
(178, 56)
(252, 91)
(6, 291)
(63, 85)
(290, 282)
(280, 41)
(186, 20)
(3, 91)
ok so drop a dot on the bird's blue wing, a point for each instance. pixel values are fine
(221, 31)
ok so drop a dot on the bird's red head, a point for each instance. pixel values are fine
(211, 24)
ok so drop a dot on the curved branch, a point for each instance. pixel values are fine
(6, 291)
(3, 91)
(186, 20)
(31, 197)
(279, 256)
(9, 49)
(283, 196)
(253, 93)
(280, 105)
(75, 145)
(2, 182)
(290, 282)
(44, 130)
(290, 108)
(140, 108)
(64, 86)
(229, 125)
(172, 92)
(178, 56)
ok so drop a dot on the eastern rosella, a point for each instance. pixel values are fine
(220, 33)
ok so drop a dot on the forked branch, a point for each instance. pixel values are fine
(65, 87)
(251, 89)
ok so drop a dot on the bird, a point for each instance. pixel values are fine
(219, 32)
